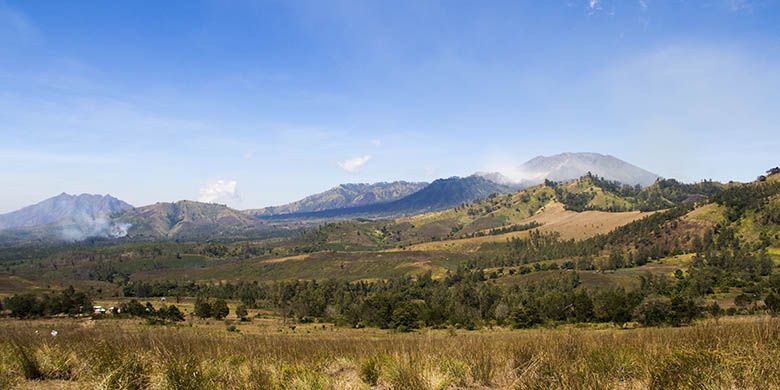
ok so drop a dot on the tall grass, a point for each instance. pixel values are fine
(735, 353)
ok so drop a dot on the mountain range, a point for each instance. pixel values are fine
(344, 196)
(439, 195)
(74, 217)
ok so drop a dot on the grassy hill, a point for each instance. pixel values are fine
(187, 220)
(594, 193)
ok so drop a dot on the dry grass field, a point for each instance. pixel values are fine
(265, 354)
(554, 218)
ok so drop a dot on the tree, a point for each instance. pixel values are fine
(525, 317)
(683, 310)
(220, 309)
(24, 306)
(583, 306)
(653, 311)
(132, 308)
(715, 310)
(404, 317)
(615, 305)
(202, 308)
(172, 313)
(743, 300)
(615, 261)
(241, 312)
(772, 303)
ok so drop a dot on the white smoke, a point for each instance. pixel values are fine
(86, 227)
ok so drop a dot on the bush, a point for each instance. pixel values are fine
(202, 308)
(241, 312)
(28, 364)
(369, 371)
(653, 311)
(219, 309)
(184, 373)
(403, 373)
(129, 374)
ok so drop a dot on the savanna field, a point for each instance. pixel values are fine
(736, 352)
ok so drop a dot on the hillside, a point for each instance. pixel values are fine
(591, 192)
(344, 196)
(187, 220)
(577, 209)
(441, 194)
(67, 217)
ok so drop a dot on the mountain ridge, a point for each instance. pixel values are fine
(440, 194)
(344, 196)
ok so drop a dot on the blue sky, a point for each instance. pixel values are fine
(259, 103)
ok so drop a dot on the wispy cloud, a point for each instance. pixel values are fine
(219, 191)
(376, 142)
(593, 6)
(352, 165)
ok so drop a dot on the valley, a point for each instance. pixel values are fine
(587, 258)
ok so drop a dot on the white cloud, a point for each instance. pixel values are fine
(376, 142)
(352, 165)
(220, 191)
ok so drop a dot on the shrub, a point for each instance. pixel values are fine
(456, 372)
(403, 373)
(202, 308)
(129, 374)
(369, 370)
(686, 370)
(219, 309)
(241, 312)
(56, 363)
(653, 311)
(183, 372)
(28, 364)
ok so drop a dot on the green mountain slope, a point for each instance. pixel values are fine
(187, 220)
